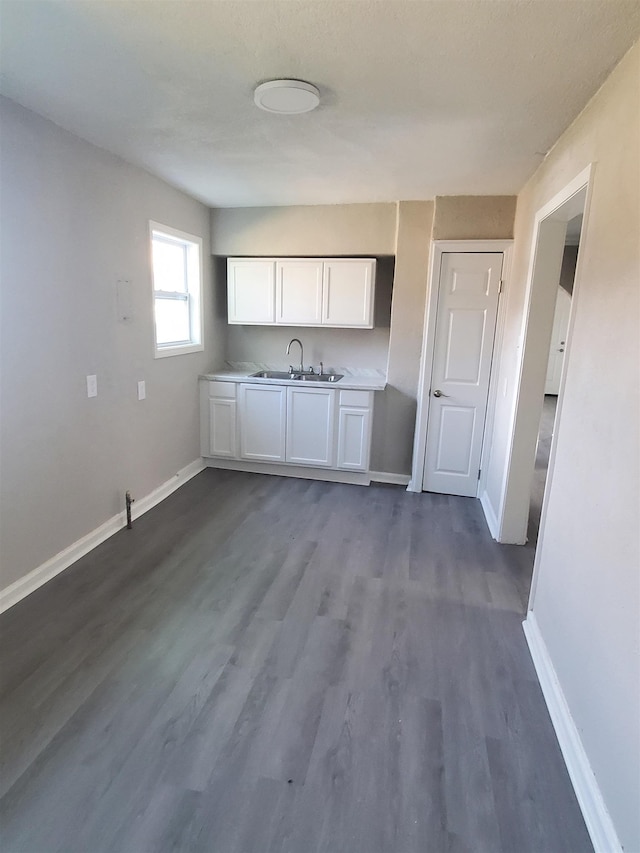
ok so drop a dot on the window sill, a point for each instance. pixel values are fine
(165, 352)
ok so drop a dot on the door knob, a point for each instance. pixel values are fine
(438, 393)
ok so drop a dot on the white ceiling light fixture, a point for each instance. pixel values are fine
(286, 97)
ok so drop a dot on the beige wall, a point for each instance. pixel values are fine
(74, 220)
(325, 230)
(467, 217)
(394, 422)
(587, 599)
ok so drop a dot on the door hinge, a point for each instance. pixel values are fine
(479, 469)
(501, 286)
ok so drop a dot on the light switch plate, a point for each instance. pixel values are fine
(92, 385)
(142, 390)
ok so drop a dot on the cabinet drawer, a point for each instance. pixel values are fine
(355, 398)
(222, 389)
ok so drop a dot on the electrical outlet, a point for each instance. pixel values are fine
(142, 390)
(92, 385)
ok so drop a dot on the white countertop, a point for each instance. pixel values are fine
(373, 381)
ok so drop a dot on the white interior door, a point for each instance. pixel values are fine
(558, 342)
(468, 294)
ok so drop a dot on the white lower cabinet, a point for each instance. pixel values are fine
(218, 425)
(315, 427)
(354, 430)
(222, 430)
(262, 413)
(310, 426)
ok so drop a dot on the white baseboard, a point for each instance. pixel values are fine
(490, 516)
(596, 816)
(24, 586)
(283, 469)
(391, 479)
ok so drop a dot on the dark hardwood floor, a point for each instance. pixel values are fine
(270, 664)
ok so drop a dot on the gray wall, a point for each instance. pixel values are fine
(74, 220)
(568, 269)
(587, 600)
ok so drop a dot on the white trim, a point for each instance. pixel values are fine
(142, 505)
(391, 479)
(195, 293)
(438, 248)
(596, 816)
(281, 469)
(516, 532)
(179, 349)
(489, 514)
(494, 377)
(29, 583)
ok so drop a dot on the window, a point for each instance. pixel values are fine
(177, 290)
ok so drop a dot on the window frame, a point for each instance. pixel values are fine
(192, 295)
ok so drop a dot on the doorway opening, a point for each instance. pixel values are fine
(548, 247)
(555, 365)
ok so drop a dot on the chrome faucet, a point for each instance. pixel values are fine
(297, 341)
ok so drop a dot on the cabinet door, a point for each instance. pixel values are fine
(251, 291)
(222, 427)
(310, 420)
(347, 299)
(354, 428)
(299, 293)
(262, 422)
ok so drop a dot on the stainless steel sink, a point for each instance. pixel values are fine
(273, 374)
(316, 377)
(298, 377)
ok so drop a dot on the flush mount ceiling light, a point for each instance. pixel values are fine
(286, 97)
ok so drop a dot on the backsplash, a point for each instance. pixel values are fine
(255, 366)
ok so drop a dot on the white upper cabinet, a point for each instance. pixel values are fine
(347, 293)
(251, 290)
(335, 292)
(299, 292)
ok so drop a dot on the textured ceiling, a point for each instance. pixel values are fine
(421, 98)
